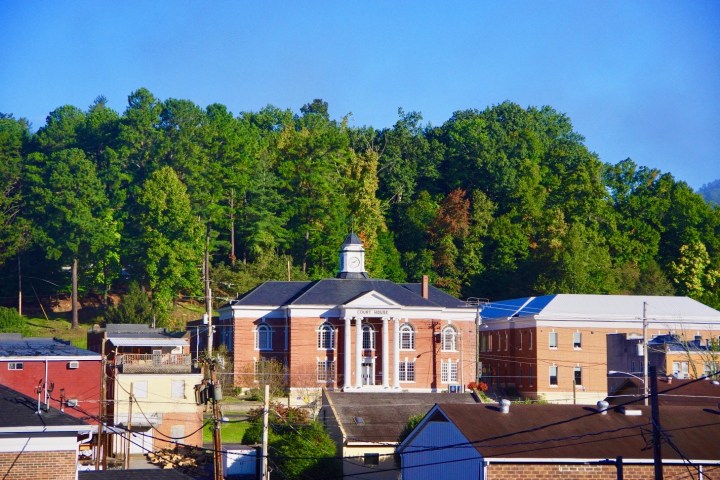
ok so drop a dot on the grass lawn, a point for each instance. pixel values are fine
(230, 432)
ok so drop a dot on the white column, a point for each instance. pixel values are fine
(396, 353)
(385, 353)
(347, 355)
(358, 351)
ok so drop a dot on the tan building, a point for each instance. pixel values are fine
(154, 366)
(671, 355)
(353, 333)
(367, 427)
(554, 347)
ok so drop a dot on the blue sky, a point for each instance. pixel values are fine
(638, 79)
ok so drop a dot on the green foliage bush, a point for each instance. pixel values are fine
(299, 447)
(135, 307)
(11, 322)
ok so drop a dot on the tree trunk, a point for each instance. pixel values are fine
(75, 321)
(232, 226)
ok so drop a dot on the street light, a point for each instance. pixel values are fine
(645, 392)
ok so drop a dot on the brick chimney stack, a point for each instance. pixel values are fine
(425, 287)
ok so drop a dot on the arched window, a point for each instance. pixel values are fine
(449, 339)
(407, 337)
(368, 337)
(263, 337)
(326, 337)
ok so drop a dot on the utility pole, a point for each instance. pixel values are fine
(266, 414)
(217, 416)
(657, 450)
(99, 451)
(208, 294)
(646, 352)
(129, 427)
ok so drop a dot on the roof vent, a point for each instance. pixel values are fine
(505, 405)
(631, 412)
(602, 406)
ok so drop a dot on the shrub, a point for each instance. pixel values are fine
(11, 322)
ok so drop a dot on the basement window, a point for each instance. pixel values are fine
(15, 366)
(371, 459)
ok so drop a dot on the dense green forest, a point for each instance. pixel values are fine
(498, 203)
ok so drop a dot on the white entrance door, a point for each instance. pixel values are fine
(368, 373)
(141, 441)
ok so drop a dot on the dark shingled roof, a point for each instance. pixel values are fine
(19, 411)
(384, 415)
(352, 239)
(15, 345)
(574, 431)
(337, 291)
(675, 392)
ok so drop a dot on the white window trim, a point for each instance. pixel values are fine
(407, 329)
(557, 376)
(267, 333)
(449, 338)
(325, 327)
(550, 336)
(404, 375)
(327, 368)
(579, 344)
(449, 375)
(369, 330)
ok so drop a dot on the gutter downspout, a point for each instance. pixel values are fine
(47, 402)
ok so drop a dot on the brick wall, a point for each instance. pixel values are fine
(304, 354)
(192, 423)
(505, 471)
(36, 465)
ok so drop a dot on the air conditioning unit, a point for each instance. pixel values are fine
(71, 402)
(73, 365)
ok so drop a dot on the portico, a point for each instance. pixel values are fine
(365, 354)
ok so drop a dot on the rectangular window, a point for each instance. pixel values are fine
(520, 340)
(711, 368)
(448, 372)
(553, 375)
(407, 371)
(140, 389)
(577, 372)
(15, 366)
(483, 343)
(326, 371)
(552, 340)
(371, 459)
(177, 389)
(577, 340)
(680, 369)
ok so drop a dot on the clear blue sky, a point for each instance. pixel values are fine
(638, 79)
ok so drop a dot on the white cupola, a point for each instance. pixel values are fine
(352, 258)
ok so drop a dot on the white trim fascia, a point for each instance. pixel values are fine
(648, 461)
(46, 429)
(68, 358)
(392, 445)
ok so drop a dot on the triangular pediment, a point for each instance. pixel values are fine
(370, 304)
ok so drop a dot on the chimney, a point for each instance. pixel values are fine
(505, 405)
(425, 287)
(602, 407)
